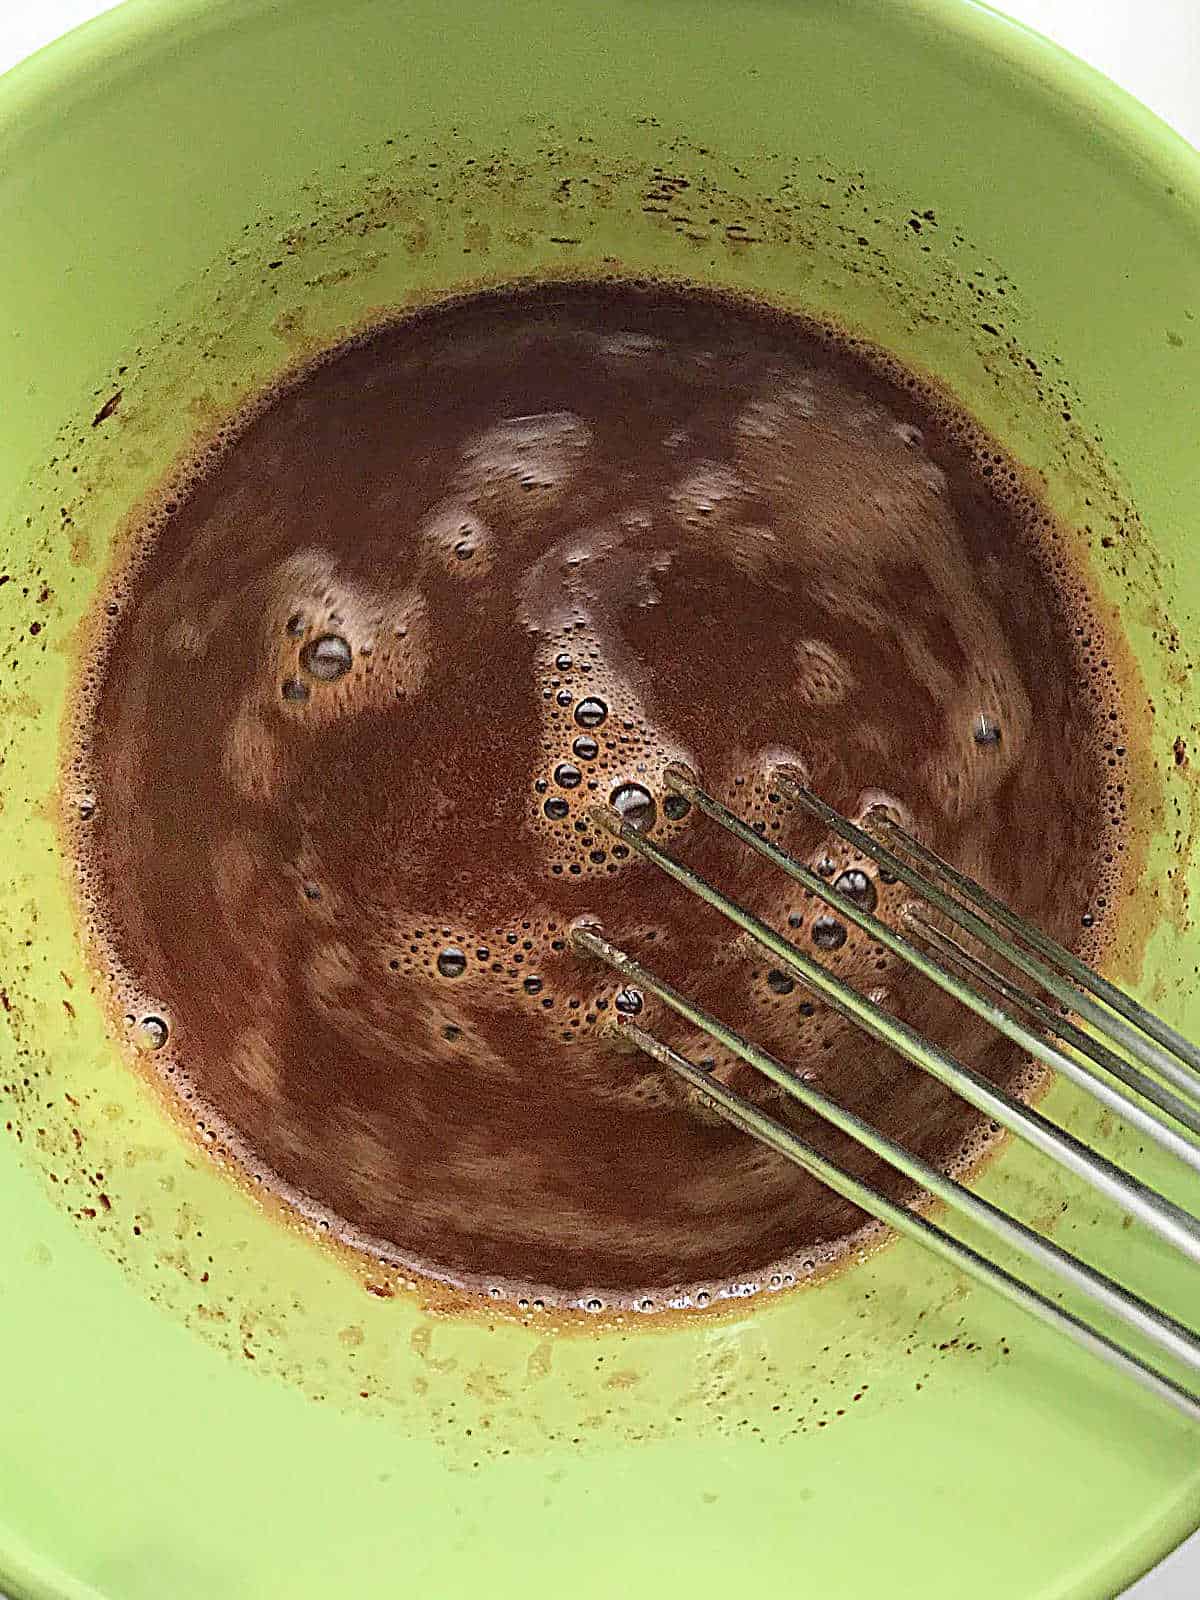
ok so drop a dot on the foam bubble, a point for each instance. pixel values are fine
(708, 497)
(825, 677)
(524, 464)
(152, 1032)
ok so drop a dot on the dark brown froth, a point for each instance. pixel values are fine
(335, 767)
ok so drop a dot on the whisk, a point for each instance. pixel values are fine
(1080, 1025)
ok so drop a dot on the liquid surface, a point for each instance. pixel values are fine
(473, 574)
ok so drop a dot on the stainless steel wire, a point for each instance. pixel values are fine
(1134, 1090)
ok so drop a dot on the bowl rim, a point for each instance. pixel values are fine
(98, 50)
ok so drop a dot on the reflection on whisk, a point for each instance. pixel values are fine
(1154, 1085)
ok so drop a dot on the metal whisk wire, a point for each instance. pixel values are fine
(1160, 1113)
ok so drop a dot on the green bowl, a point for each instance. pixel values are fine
(198, 1398)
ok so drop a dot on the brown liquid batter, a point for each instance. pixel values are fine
(462, 580)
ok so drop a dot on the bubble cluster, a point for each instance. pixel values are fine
(458, 540)
(599, 747)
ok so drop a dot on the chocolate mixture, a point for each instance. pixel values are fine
(466, 578)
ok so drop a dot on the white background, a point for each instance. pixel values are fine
(1150, 47)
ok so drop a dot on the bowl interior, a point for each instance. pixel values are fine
(196, 195)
